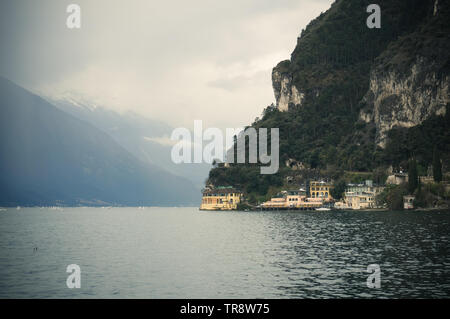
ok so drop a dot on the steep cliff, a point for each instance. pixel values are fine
(409, 81)
(286, 94)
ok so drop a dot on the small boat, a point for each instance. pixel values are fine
(323, 209)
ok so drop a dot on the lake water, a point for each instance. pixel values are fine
(185, 253)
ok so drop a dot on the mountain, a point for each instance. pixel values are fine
(49, 157)
(146, 139)
(358, 99)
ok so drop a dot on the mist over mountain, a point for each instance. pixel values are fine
(49, 157)
(147, 139)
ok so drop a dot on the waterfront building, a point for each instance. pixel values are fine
(221, 198)
(360, 201)
(320, 190)
(361, 196)
(292, 200)
(278, 202)
(367, 186)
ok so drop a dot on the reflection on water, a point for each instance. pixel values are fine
(184, 253)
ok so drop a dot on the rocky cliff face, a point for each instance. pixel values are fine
(398, 99)
(286, 93)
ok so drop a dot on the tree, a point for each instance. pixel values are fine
(338, 189)
(437, 166)
(394, 197)
(379, 175)
(314, 160)
(412, 176)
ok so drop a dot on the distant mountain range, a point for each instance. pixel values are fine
(147, 139)
(50, 157)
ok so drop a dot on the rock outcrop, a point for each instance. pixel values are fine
(396, 99)
(286, 93)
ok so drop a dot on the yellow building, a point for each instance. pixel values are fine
(292, 200)
(275, 202)
(320, 190)
(360, 196)
(360, 201)
(221, 198)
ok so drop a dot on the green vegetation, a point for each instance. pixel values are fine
(404, 143)
(248, 179)
(243, 206)
(431, 195)
(426, 196)
(413, 177)
(437, 166)
(392, 196)
(338, 190)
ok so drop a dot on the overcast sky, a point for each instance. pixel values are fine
(175, 61)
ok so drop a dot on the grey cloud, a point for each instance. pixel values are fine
(157, 58)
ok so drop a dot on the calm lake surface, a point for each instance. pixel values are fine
(185, 253)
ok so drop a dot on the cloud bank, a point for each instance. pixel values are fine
(174, 61)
